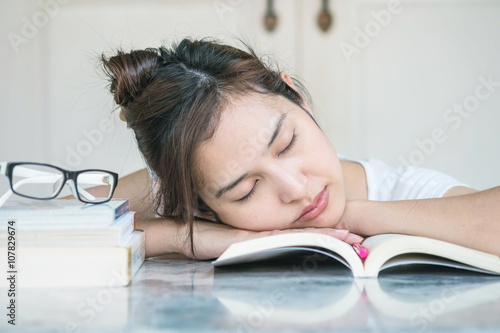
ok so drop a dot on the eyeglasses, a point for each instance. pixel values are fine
(45, 182)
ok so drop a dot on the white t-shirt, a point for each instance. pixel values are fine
(386, 183)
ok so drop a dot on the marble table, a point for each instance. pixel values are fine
(171, 294)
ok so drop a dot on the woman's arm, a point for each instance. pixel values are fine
(463, 217)
(138, 188)
(165, 236)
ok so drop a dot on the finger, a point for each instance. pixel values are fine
(337, 233)
(353, 238)
(341, 234)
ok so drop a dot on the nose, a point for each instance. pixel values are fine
(291, 184)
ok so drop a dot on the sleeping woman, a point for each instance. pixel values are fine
(233, 153)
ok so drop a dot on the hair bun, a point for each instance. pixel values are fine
(130, 73)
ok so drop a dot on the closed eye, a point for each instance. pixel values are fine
(247, 196)
(284, 151)
(290, 145)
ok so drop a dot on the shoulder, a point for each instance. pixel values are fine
(459, 190)
(387, 183)
(355, 184)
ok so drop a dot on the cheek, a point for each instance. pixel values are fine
(254, 216)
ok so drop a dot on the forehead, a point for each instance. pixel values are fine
(249, 115)
(245, 127)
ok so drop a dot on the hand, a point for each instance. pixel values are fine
(355, 213)
(342, 234)
(212, 239)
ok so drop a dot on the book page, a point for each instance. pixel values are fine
(273, 246)
(385, 249)
(426, 259)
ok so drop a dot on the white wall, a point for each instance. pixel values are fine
(387, 96)
(431, 58)
(394, 91)
(56, 105)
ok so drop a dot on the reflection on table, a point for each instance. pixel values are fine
(287, 295)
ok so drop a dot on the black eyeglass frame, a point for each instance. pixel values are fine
(71, 175)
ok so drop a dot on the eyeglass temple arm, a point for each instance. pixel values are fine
(3, 171)
(80, 190)
(3, 168)
(26, 181)
(96, 179)
(4, 197)
(50, 178)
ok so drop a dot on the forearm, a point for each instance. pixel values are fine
(471, 220)
(138, 188)
(162, 236)
(166, 236)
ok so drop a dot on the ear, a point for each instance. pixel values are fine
(284, 77)
(122, 115)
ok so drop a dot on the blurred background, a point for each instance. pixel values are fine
(408, 82)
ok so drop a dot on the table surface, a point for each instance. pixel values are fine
(292, 295)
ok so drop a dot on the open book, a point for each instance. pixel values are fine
(384, 251)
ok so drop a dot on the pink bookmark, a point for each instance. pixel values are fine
(360, 250)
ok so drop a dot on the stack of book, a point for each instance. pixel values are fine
(64, 243)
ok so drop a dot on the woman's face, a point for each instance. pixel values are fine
(270, 167)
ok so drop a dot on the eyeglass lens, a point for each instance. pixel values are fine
(36, 181)
(95, 186)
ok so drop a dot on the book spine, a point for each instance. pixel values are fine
(138, 253)
(126, 224)
(40, 219)
(122, 209)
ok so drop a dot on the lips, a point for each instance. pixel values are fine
(316, 207)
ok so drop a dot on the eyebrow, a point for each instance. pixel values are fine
(230, 186)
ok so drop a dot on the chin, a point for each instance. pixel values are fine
(330, 219)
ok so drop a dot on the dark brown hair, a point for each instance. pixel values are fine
(172, 99)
